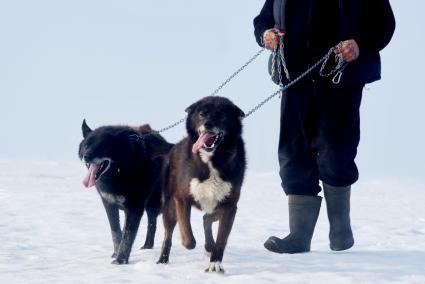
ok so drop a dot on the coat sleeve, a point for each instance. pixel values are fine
(377, 25)
(264, 21)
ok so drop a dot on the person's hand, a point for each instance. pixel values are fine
(271, 38)
(348, 49)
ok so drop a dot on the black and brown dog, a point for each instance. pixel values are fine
(128, 167)
(206, 171)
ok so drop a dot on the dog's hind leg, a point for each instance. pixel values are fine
(170, 221)
(112, 212)
(150, 235)
(132, 221)
(183, 209)
(224, 228)
(209, 239)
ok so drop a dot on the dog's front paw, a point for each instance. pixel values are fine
(215, 267)
(163, 259)
(147, 246)
(120, 261)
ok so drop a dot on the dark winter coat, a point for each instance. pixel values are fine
(313, 26)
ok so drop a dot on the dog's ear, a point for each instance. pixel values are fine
(146, 128)
(190, 108)
(239, 112)
(86, 129)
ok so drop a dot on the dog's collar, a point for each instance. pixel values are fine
(138, 137)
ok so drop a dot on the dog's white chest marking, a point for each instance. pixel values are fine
(211, 191)
(111, 198)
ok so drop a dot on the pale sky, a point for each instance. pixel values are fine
(134, 62)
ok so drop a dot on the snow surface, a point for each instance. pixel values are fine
(52, 230)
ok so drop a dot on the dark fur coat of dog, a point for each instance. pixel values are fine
(206, 171)
(128, 167)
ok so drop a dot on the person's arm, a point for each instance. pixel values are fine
(377, 26)
(263, 21)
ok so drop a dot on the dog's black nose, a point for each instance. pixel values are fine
(208, 125)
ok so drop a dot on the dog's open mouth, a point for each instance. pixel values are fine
(208, 141)
(95, 170)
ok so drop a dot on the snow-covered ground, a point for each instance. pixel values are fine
(52, 230)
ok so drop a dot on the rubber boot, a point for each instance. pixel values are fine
(303, 213)
(338, 207)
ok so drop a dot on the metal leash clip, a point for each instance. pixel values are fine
(337, 70)
(337, 78)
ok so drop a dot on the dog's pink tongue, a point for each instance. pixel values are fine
(201, 141)
(90, 180)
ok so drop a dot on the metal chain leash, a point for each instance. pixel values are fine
(278, 58)
(282, 58)
(216, 91)
(275, 60)
(337, 70)
(237, 72)
(322, 61)
(171, 126)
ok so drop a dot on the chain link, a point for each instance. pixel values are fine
(274, 61)
(282, 58)
(171, 126)
(216, 91)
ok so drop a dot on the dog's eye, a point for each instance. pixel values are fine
(202, 114)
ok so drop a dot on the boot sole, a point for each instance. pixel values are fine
(272, 245)
(341, 248)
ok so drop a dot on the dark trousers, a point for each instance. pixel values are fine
(319, 135)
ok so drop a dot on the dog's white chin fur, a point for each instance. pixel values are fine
(205, 155)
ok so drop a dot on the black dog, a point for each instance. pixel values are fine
(206, 170)
(128, 168)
